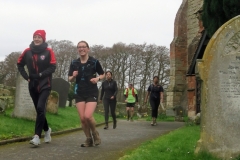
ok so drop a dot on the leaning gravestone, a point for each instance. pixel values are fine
(62, 87)
(24, 107)
(220, 103)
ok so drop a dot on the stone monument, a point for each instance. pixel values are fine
(67, 103)
(52, 103)
(2, 107)
(62, 87)
(170, 112)
(24, 107)
(219, 71)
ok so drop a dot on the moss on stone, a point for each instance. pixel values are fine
(54, 94)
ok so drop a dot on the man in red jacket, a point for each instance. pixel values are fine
(41, 63)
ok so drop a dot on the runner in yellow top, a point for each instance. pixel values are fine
(131, 98)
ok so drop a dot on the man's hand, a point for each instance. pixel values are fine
(126, 100)
(112, 97)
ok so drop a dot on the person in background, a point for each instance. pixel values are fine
(83, 71)
(41, 63)
(131, 96)
(109, 90)
(155, 91)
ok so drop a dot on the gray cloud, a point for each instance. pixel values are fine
(99, 22)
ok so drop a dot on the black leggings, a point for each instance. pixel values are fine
(40, 102)
(154, 104)
(109, 103)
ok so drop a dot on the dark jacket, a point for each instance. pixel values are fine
(155, 91)
(86, 71)
(109, 89)
(38, 59)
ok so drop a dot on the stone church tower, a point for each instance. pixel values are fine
(187, 33)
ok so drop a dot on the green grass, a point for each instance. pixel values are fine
(177, 145)
(162, 118)
(67, 118)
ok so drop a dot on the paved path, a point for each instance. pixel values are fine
(127, 135)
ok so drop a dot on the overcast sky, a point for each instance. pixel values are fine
(101, 22)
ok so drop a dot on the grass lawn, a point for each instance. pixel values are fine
(67, 118)
(162, 118)
(177, 145)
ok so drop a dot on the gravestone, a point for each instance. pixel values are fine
(2, 107)
(62, 87)
(67, 103)
(24, 107)
(219, 71)
(52, 103)
(170, 112)
(73, 102)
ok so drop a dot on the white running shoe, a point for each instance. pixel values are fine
(47, 136)
(35, 141)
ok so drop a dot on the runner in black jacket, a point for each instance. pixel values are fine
(155, 91)
(109, 90)
(41, 63)
(84, 72)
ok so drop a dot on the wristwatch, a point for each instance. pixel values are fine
(99, 79)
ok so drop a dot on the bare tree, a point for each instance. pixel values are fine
(136, 63)
(101, 53)
(147, 63)
(10, 69)
(163, 65)
(65, 52)
(3, 73)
